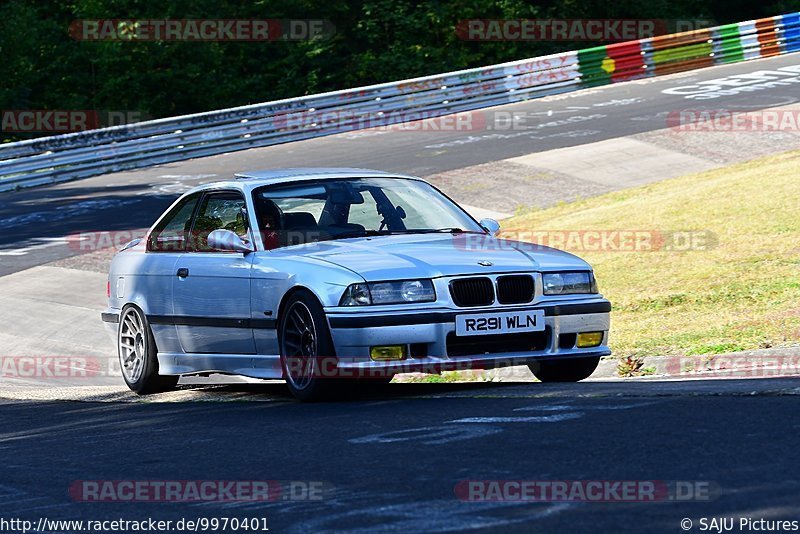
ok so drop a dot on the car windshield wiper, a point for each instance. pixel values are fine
(450, 230)
(373, 233)
(453, 230)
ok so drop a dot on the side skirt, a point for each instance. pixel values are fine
(252, 365)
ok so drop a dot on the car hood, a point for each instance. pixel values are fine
(431, 256)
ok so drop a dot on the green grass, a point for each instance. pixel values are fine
(740, 292)
(446, 377)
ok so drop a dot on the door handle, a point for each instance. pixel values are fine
(183, 272)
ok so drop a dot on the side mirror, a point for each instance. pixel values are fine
(490, 225)
(228, 241)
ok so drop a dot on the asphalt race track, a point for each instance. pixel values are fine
(389, 458)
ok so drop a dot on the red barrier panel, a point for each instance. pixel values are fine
(628, 60)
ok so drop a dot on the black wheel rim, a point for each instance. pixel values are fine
(299, 345)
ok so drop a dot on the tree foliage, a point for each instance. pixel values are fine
(375, 41)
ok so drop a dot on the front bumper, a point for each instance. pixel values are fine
(429, 337)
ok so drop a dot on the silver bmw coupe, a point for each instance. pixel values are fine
(327, 277)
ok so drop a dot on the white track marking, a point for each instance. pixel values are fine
(444, 515)
(585, 407)
(546, 408)
(43, 242)
(533, 419)
(429, 435)
(175, 185)
(8, 491)
(66, 212)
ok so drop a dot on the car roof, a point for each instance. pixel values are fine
(253, 179)
(304, 172)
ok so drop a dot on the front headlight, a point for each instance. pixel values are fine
(356, 295)
(569, 283)
(401, 292)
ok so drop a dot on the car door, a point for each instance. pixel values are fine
(166, 243)
(211, 288)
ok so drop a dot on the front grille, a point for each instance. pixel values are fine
(515, 289)
(469, 292)
(496, 343)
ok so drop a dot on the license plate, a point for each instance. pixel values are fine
(480, 324)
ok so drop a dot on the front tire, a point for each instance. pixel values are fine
(138, 354)
(307, 351)
(565, 370)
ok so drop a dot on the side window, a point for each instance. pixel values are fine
(172, 232)
(219, 211)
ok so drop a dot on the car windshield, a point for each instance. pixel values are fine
(354, 207)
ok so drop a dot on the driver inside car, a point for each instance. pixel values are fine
(269, 217)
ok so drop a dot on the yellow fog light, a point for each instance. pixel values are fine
(589, 339)
(388, 353)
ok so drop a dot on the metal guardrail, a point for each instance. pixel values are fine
(83, 154)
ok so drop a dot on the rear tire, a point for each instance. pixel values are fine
(566, 370)
(307, 351)
(138, 354)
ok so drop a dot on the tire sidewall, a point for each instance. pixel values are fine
(150, 366)
(319, 385)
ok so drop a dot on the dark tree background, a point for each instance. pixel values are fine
(42, 67)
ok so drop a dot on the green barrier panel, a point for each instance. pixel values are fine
(730, 44)
(590, 65)
(682, 53)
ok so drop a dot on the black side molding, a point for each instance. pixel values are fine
(184, 320)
